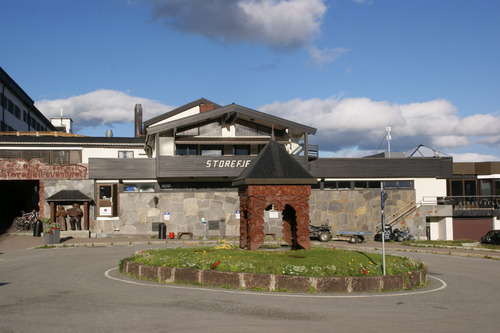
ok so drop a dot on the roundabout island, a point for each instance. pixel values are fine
(317, 270)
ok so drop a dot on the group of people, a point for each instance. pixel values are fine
(75, 217)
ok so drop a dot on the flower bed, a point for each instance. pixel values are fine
(272, 282)
(315, 270)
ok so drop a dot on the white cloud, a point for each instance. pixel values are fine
(473, 157)
(347, 127)
(479, 124)
(100, 107)
(325, 56)
(450, 141)
(360, 123)
(278, 24)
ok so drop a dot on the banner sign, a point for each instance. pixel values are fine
(20, 169)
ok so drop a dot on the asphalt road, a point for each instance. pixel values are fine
(79, 290)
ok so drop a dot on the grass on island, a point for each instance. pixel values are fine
(316, 262)
(457, 242)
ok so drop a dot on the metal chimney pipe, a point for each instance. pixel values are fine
(138, 121)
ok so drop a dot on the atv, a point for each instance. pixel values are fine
(322, 233)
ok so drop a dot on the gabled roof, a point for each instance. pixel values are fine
(274, 166)
(232, 112)
(69, 195)
(180, 109)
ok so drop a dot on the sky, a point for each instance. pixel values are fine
(428, 69)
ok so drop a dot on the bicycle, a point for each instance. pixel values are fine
(26, 221)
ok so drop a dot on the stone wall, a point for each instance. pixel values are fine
(297, 284)
(343, 210)
(357, 210)
(137, 212)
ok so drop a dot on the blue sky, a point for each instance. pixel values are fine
(430, 69)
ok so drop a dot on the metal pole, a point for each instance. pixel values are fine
(205, 231)
(388, 137)
(382, 206)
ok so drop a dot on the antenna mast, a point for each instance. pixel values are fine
(388, 137)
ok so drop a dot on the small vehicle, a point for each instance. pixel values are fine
(26, 221)
(323, 233)
(403, 234)
(491, 237)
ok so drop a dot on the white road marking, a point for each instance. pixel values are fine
(271, 294)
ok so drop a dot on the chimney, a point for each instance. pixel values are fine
(206, 107)
(138, 121)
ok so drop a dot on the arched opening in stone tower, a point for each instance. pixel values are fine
(290, 234)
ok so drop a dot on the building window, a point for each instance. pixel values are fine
(334, 185)
(182, 150)
(363, 185)
(125, 154)
(138, 187)
(241, 150)
(53, 157)
(196, 186)
(245, 128)
(211, 129)
(212, 150)
(3, 100)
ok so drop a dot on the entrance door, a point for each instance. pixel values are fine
(107, 202)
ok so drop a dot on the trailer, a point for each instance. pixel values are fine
(353, 236)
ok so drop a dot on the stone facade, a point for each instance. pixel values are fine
(357, 210)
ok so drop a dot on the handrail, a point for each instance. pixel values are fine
(403, 211)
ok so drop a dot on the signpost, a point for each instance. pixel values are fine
(383, 196)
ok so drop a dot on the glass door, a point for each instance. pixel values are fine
(107, 203)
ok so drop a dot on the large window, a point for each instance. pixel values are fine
(363, 185)
(241, 150)
(138, 187)
(212, 150)
(207, 129)
(186, 150)
(196, 186)
(54, 157)
(245, 128)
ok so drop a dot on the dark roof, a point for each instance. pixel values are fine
(71, 141)
(69, 195)
(274, 166)
(180, 109)
(232, 111)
